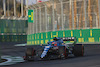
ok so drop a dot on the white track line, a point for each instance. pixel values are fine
(11, 60)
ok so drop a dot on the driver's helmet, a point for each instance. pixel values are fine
(55, 39)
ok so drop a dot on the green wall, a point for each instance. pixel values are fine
(8, 29)
(13, 26)
(13, 38)
(84, 35)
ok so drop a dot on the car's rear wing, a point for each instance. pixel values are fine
(69, 39)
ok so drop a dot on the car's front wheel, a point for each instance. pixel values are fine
(30, 52)
(63, 52)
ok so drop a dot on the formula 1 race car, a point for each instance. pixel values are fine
(56, 49)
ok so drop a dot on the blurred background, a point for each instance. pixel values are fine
(49, 15)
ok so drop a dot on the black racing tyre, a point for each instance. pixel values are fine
(30, 52)
(63, 52)
(39, 51)
(78, 50)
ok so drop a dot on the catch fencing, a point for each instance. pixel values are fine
(64, 18)
(55, 15)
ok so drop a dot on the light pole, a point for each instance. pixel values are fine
(99, 11)
(53, 16)
(46, 16)
(15, 8)
(21, 8)
(40, 18)
(62, 18)
(4, 7)
(27, 8)
(85, 13)
(8, 7)
(70, 15)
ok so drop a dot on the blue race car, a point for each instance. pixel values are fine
(56, 49)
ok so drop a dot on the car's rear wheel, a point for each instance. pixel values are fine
(78, 50)
(30, 52)
(63, 52)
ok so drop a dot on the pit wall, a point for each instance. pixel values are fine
(82, 35)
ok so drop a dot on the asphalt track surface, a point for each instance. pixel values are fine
(91, 58)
